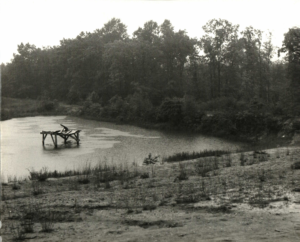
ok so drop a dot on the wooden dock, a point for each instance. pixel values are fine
(65, 133)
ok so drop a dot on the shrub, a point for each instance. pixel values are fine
(218, 123)
(41, 175)
(117, 107)
(170, 110)
(36, 188)
(46, 106)
(47, 220)
(140, 107)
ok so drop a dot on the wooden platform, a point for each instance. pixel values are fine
(65, 133)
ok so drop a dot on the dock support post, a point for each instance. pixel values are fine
(77, 138)
(55, 141)
(44, 137)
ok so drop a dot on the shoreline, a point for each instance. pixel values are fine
(265, 141)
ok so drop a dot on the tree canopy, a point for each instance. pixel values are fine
(158, 64)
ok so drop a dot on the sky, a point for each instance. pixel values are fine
(46, 22)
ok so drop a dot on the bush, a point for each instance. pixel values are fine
(41, 175)
(218, 123)
(140, 107)
(46, 106)
(171, 111)
(117, 108)
(47, 219)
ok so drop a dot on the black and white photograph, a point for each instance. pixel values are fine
(145, 120)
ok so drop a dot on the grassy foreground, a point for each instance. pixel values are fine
(252, 196)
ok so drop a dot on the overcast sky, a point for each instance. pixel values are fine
(46, 22)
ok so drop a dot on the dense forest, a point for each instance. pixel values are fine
(226, 82)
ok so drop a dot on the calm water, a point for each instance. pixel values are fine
(21, 144)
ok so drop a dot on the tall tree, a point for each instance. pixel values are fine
(291, 45)
(219, 34)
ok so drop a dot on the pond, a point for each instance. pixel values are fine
(22, 149)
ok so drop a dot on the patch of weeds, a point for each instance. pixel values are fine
(84, 173)
(73, 185)
(129, 211)
(182, 173)
(16, 187)
(258, 201)
(262, 175)
(162, 202)
(277, 154)
(144, 175)
(220, 209)
(17, 231)
(126, 185)
(27, 226)
(47, 220)
(287, 152)
(27, 216)
(282, 175)
(151, 183)
(107, 185)
(148, 224)
(190, 198)
(263, 157)
(202, 167)
(259, 152)
(149, 207)
(296, 165)
(37, 188)
(237, 200)
(41, 175)
(242, 159)
(228, 160)
(83, 180)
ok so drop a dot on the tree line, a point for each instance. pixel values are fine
(160, 74)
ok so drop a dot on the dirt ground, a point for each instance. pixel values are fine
(256, 201)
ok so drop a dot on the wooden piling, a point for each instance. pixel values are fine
(55, 141)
